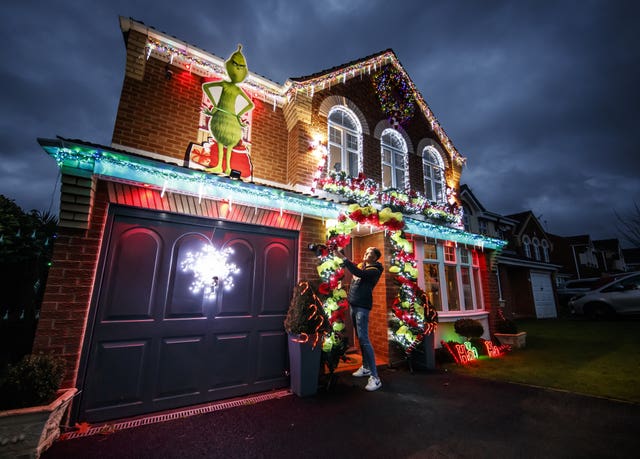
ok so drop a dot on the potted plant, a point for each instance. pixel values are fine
(507, 332)
(305, 324)
(32, 406)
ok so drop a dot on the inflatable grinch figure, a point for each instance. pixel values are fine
(230, 102)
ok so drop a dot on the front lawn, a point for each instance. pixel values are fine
(587, 357)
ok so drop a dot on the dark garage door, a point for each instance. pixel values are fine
(154, 344)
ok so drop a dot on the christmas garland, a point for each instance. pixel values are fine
(366, 192)
(395, 94)
(412, 316)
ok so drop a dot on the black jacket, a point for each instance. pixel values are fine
(364, 280)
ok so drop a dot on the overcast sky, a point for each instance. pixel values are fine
(541, 97)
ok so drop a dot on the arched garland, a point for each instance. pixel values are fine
(412, 315)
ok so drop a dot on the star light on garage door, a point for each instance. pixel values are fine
(210, 269)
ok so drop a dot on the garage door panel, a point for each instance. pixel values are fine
(230, 360)
(276, 297)
(272, 355)
(169, 346)
(238, 300)
(179, 366)
(133, 270)
(123, 364)
(183, 301)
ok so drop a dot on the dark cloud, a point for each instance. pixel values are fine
(541, 97)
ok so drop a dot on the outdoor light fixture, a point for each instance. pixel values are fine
(235, 174)
(210, 269)
(168, 73)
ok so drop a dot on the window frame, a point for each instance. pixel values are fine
(434, 183)
(345, 131)
(394, 152)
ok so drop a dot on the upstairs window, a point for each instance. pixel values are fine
(433, 175)
(394, 160)
(545, 250)
(345, 134)
(526, 245)
(536, 248)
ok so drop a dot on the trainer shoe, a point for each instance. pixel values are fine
(362, 371)
(373, 384)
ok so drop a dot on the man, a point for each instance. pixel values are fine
(365, 278)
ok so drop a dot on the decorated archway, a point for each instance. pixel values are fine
(412, 316)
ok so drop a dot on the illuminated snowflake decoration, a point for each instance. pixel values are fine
(210, 270)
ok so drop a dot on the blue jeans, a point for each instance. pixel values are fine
(360, 318)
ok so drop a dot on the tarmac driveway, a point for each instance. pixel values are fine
(419, 415)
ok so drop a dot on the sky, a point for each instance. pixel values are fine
(541, 97)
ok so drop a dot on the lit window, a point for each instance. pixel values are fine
(345, 136)
(457, 270)
(394, 160)
(430, 251)
(449, 254)
(433, 175)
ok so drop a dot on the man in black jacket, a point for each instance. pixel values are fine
(365, 278)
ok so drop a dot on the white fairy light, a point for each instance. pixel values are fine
(210, 270)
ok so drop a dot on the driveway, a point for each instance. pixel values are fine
(414, 415)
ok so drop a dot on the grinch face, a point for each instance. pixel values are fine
(236, 67)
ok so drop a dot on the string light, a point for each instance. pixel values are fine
(210, 269)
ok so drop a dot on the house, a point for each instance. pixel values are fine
(524, 270)
(632, 258)
(180, 243)
(610, 256)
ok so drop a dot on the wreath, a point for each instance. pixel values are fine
(395, 94)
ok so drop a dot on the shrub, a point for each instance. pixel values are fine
(32, 381)
(469, 328)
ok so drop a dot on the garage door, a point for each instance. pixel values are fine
(543, 296)
(157, 341)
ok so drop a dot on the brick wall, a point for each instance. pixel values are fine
(65, 307)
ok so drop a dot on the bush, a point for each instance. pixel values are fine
(31, 382)
(469, 328)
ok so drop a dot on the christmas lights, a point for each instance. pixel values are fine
(210, 269)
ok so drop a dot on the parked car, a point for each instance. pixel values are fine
(573, 287)
(620, 296)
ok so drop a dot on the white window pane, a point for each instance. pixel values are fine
(353, 164)
(386, 177)
(452, 287)
(352, 142)
(335, 158)
(432, 285)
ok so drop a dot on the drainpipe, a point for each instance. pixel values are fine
(500, 300)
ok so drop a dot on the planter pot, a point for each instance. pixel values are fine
(515, 340)
(423, 356)
(27, 432)
(304, 361)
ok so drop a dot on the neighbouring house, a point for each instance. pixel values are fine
(582, 257)
(632, 258)
(525, 273)
(610, 256)
(176, 257)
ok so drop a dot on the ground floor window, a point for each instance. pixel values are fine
(455, 267)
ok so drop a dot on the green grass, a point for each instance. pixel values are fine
(586, 357)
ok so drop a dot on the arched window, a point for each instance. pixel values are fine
(433, 175)
(394, 160)
(526, 245)
(536, 248)
(345, 134)
(545, 250)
